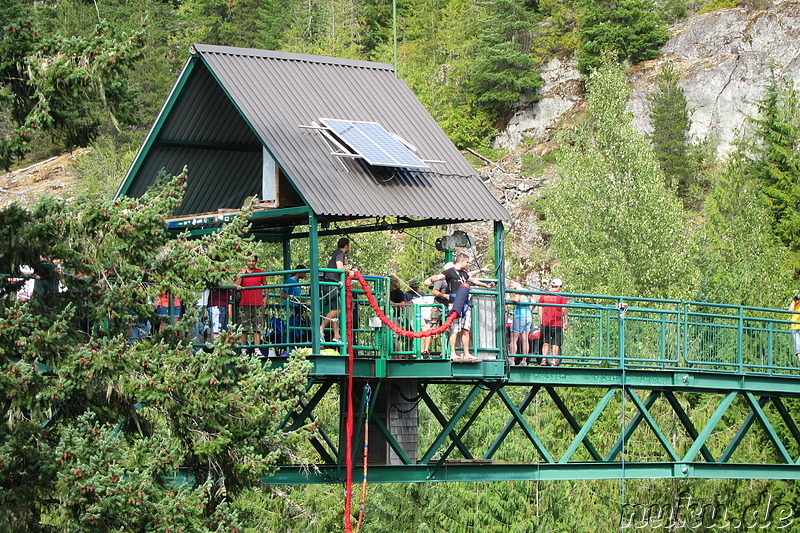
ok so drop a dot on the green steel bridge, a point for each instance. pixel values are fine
(647, 389)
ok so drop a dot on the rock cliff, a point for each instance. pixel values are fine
(723, 59)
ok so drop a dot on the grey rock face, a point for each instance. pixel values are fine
(723, 59)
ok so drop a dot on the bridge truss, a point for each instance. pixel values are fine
(656, 437)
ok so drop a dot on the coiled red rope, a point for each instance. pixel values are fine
(391, 325)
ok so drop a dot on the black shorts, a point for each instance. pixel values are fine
(330, 295)
(552, 335)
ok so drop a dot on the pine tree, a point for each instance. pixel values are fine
(776, 161)
(631, 28)
(669, 117)
(740, 261)
(504, 74)
(101, 433)
(63, 87)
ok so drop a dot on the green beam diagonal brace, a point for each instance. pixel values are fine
(758, 413)
(644, 411)
(448, 430)
(466, 426)
(299, 418)
(401, 453)
(631, 427)
(516, 417)
(688, 425)
(787, 419)
(576, 442)
(308, 408)
(700, 441)
(437, 414)
(572, 422)
(743, 429)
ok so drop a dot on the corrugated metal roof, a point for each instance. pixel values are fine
(237, 99)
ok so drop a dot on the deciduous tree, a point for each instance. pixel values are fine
(613, 225)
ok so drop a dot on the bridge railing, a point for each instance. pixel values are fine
(675, 334)
(603, 331)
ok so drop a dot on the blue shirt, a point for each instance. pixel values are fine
(294, 290)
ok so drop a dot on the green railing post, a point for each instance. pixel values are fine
(662, 339)
(313, 258)
(621, 342)
(739, 339)
(683, 332)
(770, 336)
(500, 297)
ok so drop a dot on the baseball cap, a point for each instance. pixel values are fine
(556, 282)
(413, 282)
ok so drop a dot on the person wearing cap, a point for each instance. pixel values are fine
(413, 291)
(554, 322)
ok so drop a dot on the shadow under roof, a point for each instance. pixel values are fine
(230, 104)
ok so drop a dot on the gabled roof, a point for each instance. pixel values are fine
(230, 103)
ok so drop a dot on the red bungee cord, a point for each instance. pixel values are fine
(348, 426)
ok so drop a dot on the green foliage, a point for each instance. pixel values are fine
(669, 116)
(713, 5)
(776, 162)
(96, 426)
(64, 87)
(100, 168)
(503, 75)
(533, 165)
(613, 225)
(740, 261)
(631, 28)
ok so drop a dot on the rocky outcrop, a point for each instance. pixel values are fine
(723, 58)
(562, 94)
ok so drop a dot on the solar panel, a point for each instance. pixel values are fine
(372, 142)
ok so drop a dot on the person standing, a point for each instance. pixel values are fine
(219, 301)
(292, 289)
(455, 277)
(794, 307)
(413, 291)
(521, 324)
(253, 302)
(167, 315)
(554, 323)
(330, 293)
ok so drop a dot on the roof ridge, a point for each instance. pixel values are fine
(288, 56)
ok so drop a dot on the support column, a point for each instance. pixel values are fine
(313, 259)
(499, 261)
(287, 253)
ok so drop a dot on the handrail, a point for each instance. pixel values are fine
(653, 333)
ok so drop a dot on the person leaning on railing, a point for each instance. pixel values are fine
(794, 307)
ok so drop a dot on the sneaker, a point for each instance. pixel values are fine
(258, 352)
(524, 362)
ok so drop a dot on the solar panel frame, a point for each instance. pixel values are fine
(374, 143)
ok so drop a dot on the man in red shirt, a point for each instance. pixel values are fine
(253, 302)
(554, 322)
